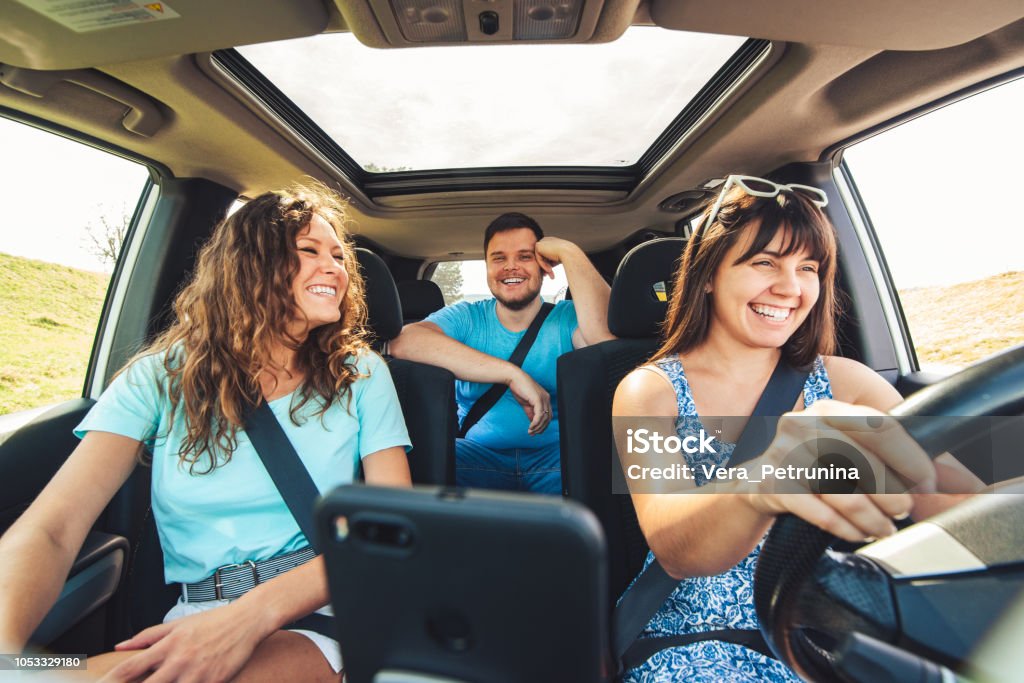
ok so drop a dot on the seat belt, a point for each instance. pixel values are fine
(653, 586)
(296, 487)
(491, 396)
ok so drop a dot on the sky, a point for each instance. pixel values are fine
(55, 189)
(444, 107)
(940, 190)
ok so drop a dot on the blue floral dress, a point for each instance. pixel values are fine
(711, 603)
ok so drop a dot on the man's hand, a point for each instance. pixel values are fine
(534, 399)
(551, 251)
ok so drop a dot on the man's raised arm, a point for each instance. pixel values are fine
(589, 290)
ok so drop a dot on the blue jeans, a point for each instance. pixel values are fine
(512, 469)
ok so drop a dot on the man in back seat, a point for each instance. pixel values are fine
(514, 445)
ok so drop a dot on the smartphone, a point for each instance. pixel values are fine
(465, 585)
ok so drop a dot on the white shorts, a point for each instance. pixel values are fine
(328, 646)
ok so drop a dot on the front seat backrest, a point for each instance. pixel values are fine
(426, 392)
(419, 299)
(587, 379)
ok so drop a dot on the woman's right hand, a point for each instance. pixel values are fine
(854, 517)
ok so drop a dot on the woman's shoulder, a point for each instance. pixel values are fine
(854, 382)
(367, 361)
(647, 390)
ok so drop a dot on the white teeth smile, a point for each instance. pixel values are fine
(322, 290)
(513, 280)
(770, 312)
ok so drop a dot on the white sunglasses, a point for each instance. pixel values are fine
(759, 187)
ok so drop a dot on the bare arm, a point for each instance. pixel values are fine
(690, 534)
(424, 342)
(693, 535)
(589, 290)
(388, 467)
(953, 480)
(40, 547)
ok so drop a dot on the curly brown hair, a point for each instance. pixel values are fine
(235, 311)
(688, 320)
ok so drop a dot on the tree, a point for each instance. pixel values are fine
(105, 239)
(448, 276)
(374, 168)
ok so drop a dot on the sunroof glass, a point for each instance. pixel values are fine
(494, 106)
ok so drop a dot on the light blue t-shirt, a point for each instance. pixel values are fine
(235, 513)
(476, 324)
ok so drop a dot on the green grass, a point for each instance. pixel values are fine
(48, 318)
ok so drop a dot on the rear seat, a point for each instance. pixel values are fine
(587, 379)
(427, 393)
(419, 299)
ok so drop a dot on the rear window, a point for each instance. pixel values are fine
(467, 281)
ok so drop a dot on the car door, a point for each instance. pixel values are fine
(71, 210)
(94, 243)
(933, 202)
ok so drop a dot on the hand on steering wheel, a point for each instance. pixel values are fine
(793, 548)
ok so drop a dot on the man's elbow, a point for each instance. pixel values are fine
(401, 346)
(597, 336)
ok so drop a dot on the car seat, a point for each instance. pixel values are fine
(587, 379)
(419, 299)
(426, 392)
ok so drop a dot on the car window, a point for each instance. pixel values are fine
(467, 281)
(67, 208)
(940, 193)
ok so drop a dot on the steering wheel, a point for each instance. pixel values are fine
(792, 553)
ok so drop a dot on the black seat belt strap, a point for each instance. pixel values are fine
(284, 466)
(778, 397)
(296, 487)
(645, 648)
(491, 396)
(653, 586)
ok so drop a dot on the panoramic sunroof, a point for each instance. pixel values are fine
(494, 106)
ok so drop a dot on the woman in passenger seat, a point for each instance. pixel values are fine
(755, 288)
(274, 312)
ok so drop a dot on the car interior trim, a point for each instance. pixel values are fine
(922, 550)
(99, 368)
(906, 362)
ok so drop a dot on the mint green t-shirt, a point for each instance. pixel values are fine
(235, 513)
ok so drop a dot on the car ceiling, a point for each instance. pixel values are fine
(835, 71)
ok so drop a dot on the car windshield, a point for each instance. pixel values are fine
(439, 108)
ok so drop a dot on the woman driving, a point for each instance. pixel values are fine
(756, 288)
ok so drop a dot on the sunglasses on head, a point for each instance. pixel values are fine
(759, 187)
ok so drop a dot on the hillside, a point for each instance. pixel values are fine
(48, 318)
(960, 324)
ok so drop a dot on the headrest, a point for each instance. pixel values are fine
(642, 286)
(419, 298)
(384, 312)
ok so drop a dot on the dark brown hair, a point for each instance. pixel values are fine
(511, 221)
(236, 310)
(688, 320)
